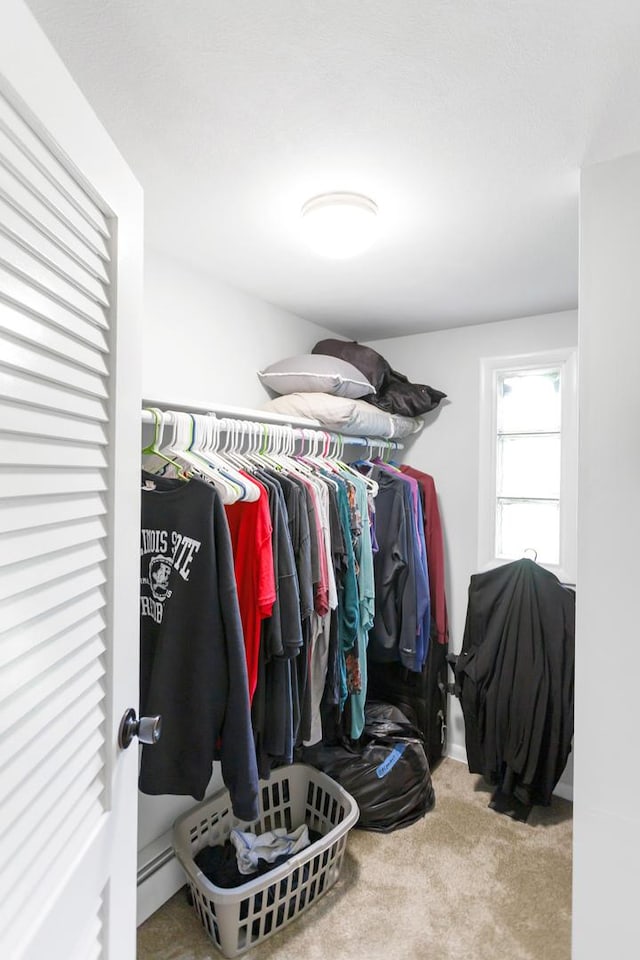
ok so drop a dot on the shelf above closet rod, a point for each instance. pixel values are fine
(299, 426)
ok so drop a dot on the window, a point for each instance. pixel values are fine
(528, 461)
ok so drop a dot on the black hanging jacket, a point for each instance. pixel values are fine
(515, 678)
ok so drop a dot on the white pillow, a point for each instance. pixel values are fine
(404, 426)
(316, 373)
(352, 417)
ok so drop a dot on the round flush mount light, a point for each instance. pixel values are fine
(339, 225)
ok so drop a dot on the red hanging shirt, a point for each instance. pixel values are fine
(250, 528)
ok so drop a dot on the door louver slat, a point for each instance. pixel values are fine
(22, 231)
(21, 514)
(75, 811)
(33, 209)
(23, 296)
(37, 601)
(66, 670)
(72, 743)
(33, 330)
(36, 451)
(17, 419)
(17, 160)
(35, 751)
(21, 262)
(82, 765)
(39, 393)
(19, 482)
(22, 134)
(19, 578)
(37, 718)
(35, 543)
(19, 355)
(16, 643)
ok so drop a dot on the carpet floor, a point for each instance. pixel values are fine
(464, 883)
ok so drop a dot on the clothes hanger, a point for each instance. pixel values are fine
(293, 461)
(282, 448)
(179, 446)
(238, 432)
(209, 449)
(384, 457)
(154, 448)
(263, 457)
(369, 482)
(367, 459)
(313, 456)
(296, 459)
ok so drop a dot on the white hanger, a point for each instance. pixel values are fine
(208, 447)
(183, 435)
(237, 432)
(369, 482)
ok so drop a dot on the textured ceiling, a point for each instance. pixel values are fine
(467, 122)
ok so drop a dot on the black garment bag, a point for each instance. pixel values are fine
(515, 680)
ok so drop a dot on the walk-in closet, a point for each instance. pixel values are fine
(318, 479)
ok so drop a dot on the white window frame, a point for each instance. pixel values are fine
(490, 370)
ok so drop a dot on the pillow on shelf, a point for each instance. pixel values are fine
(352, 417)
(404, 426)
(312, 373)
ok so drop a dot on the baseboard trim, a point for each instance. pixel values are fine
(456, 751)
(157, 883)
(564, 790)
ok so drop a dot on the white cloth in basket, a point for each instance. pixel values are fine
(251, 847)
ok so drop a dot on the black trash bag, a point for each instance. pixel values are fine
(386, 772)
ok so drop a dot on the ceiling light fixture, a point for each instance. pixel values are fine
(339, 225)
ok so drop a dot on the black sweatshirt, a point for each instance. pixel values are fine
(192, 665)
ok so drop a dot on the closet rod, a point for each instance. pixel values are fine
(227, 410)
(300, 433)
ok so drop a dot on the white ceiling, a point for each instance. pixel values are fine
(466, 121)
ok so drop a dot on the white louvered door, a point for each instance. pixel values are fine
(70, 278)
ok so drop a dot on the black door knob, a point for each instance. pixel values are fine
(146, 729)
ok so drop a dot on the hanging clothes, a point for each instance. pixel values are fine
(515, 679)
(434, 542)
(331, 575)
(415, 681)
(401, 593)
(363, 549)
(250, 529)
(281, 637)
(193, 665)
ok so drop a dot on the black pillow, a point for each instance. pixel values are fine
(370, 363)
(407, 399)
(394, 393)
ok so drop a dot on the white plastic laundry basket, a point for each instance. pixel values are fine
(239, 918)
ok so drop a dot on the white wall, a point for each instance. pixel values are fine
(607, 781)
(449, 448)
(203, 340)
